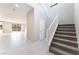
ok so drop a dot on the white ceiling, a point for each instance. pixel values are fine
(10, 10)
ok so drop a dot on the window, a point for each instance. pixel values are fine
(1, 27)
(16, 27)
(13, 27)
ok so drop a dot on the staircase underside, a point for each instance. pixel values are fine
(64, 41)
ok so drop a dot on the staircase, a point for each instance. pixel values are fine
(64, 41)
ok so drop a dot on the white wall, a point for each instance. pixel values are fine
(65, 11)
(30, 25)
(23, 27)
(7, 27)
(77, 20)
(1, 23)
(39, 14)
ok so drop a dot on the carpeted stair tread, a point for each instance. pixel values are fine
(66, 40)
(69, 36)
(67, 48)
(66, 33)
(71, 30)
(59, 51)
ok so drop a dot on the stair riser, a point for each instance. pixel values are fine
(66, 49)
(68, 38)
(66, 30)
(73, 34)
(61, 27)
(67, 43)
(66, 25)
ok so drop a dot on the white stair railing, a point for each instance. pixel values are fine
(51, 31)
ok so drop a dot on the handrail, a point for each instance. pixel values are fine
(51, 31)
(52, 22)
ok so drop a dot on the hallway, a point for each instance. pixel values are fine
(15, 43)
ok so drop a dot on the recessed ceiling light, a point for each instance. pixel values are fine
(17, 5)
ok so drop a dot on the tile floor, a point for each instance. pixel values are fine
(16, 44)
